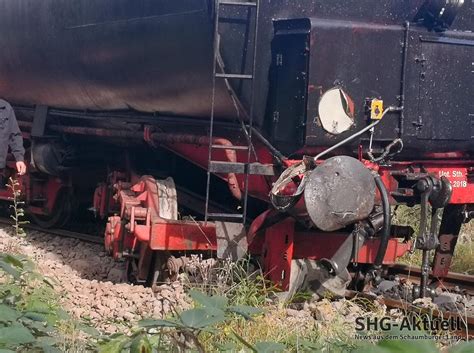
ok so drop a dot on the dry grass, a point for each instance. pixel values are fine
(302, 333)
(320, 326)
(464, 253)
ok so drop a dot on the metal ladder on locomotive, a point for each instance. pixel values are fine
(239, 168)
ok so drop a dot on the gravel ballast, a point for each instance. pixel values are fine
(90, 283)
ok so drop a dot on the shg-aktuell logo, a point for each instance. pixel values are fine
(410, 323)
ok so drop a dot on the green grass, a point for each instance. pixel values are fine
(464, 252)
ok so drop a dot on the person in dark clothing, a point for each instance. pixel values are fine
(10, 136)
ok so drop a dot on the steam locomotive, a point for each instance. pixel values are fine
(284, 130)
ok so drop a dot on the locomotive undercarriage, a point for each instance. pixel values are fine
(319, 219)
(143, 228)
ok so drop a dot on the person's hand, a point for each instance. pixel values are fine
(21, 167)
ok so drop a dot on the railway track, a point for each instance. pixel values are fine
(452, 280)
(411, 273)
(59, 232)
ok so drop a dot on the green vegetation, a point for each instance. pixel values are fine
(17, 211)
(30, 318)
(464, 254)
(213, 326)
(186, 329)
(246, 318)
(32, 321)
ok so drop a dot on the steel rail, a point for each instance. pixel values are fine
(59, 232)
(452, 280)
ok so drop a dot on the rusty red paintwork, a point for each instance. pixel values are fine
(113, 239)
(280, 244)
(318, 246)
(449, 230)
(457, 172)
(278, 252)
(100, 200)
(104, 202)
(259, 186)
(139, 211)
(137, 206)
(139, 223)
(444, 254)
(195, 149)
(180, 235)
(47, 190)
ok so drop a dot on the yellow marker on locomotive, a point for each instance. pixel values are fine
(376, 109)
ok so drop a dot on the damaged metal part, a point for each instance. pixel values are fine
(309, 275)
(339, 192)
(346, 252)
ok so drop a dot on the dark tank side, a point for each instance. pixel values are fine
(360, 47)
(156, 57)
(142, 55)
(426, 76)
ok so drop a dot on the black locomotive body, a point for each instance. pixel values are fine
(149, 57)
(428, 75)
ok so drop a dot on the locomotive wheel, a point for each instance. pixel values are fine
(60, 215)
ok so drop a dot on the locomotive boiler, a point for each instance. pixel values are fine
(280, 130)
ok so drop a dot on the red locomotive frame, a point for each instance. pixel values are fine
(134, 225)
